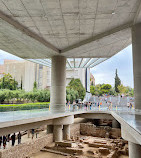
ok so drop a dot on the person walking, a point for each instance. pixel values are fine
(13, 137)
(32, 133)
(91, 106)
(0, 141)
(19, 138)
(8, 137)
(4, 142)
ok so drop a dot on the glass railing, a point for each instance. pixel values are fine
(13, 112)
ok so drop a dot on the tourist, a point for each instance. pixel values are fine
(32, 131)
(0, 141)
(101, 103)
(19, 138)
(86, 105)
(4, 142)
(131, 105)
(13, 137)
(8, 137)
(111, 105)
(128, 104)
(91, 106)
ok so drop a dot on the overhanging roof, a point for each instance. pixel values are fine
(72, 62)
(92, 29)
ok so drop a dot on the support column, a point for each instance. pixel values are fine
(115, 124)
(134, 150)
(136, 46)
(28, 133)
(58, 84)
(66, 133)
(57, 133)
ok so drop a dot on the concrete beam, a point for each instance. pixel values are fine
(137, 13)
(23, 127)
(26, 31)
(97, 37)
(96, 116)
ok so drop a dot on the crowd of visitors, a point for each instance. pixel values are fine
(12, 138)
(6, 138)
(102, 102)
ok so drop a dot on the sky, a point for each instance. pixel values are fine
(122, 61)
(104, 72)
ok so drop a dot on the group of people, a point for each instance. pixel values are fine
(129, 105)
(6, 138)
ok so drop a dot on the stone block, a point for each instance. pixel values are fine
(104, 151)
(66, 144)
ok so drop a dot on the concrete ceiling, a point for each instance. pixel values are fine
(40, 29)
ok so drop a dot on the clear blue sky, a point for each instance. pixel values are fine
(122, 61)
(104, 72)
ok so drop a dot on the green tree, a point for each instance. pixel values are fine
(7, 82)
(92, 90)
(35, 85)
(105, 88)
(76, 84)
(71, 94)
(117, 82)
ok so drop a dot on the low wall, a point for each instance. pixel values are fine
(92, 130)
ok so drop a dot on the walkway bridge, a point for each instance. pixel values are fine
(129, 119)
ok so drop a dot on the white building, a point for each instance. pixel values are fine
(29, 72)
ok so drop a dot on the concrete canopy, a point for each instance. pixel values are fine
(93, 29)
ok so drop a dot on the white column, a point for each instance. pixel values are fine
(57, 133)
(134, 150)
(136, 46)
(66, 132)
(58, 84)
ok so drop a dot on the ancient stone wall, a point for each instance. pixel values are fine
(92, 130)
(75, 129)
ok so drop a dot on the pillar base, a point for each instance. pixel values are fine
(66, 132)
(57, 133)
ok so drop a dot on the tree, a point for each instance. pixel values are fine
(76, 84)
(117, 82)
(7, 82)
(92, 90)
(122, 89)
(105, 88)
(35, 85)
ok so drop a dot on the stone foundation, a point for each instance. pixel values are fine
(91, 130)
(75, 129)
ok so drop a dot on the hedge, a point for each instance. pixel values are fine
(27, 106)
